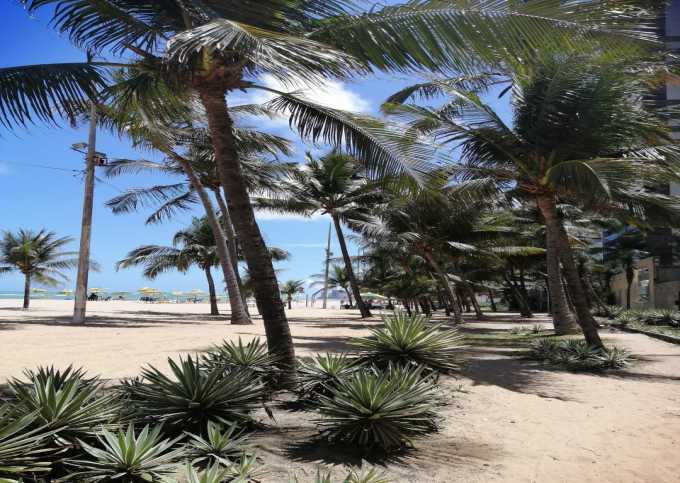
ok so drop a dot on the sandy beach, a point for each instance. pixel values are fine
(510, 420)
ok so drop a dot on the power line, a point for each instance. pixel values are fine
(74, 171)
(32, 165)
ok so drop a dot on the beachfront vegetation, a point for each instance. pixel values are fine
(412, 341)
(290, 288)
(38, 256)
(192, 246)
(578, 355)
(380, 408)
(168, 51)
(60, 423)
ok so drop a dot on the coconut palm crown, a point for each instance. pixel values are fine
(38, 256)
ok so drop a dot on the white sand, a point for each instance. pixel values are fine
(510, 420)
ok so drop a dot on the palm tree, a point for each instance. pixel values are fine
(628, 248)
(581, 134)
(37, 256)
(290, 288)
(192, 246)
(337, 278)
(213, 48)
(334, 186)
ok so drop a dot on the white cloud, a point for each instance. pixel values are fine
(334, 94)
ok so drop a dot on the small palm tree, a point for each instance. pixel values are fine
(337, 278)
(193, 246)
(37, 256)
(332, 185)
(290, 288)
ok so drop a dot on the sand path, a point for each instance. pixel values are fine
(509, 420)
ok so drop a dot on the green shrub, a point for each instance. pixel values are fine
(127, 458)
(253, 356)
(65, 402)
(576, 354)
(380, 408)
(321, 374)
(22, 446)
(194, 396)
(668, 317)
(362, 475)
(219, 446)
(411, 340)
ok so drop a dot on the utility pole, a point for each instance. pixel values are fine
(86, 225)
(328, 262)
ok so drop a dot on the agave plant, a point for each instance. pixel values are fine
(65, 402)
(576, 354)
(127, 457)
(212, 474)
(194, 396)
(362, 475)
(411, 340)
(253, 356)
(21, 445)
(321, 375)
(380, 408)
(219, 446)
(668, 317)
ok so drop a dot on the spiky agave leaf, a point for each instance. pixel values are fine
(127, 456)
(72, 406)
(411, 340)
(252, 356)
(321, 374)
(380, 408)
(364, 474)
(193, 396)
(221, 445)
(22, 445)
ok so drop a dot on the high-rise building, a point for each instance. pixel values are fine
(657, 281)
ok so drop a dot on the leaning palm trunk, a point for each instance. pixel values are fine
(211, 291)
(80, 302)
(630, 276)
(239, 316)
(27, 290)
(563, 320)
(350, 271)
(559, 249)
(446, 285)
(231, 240)
(266, 287)
(522, 304)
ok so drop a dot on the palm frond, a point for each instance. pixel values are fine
(47, 92)
(383, 149)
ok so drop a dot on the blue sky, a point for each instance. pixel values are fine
(37, 198)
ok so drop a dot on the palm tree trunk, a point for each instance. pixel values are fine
(475, 304)
(630, 276)
(239, 315)
(407, 306)
(80, 302)
(211, 290)
(290, 302)
(27, 290)
(232, 244)
(279, 339)
(491, 300)
(446, 285)
(350, 271)
(522, 304)
(563, 320)
(558, 244)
